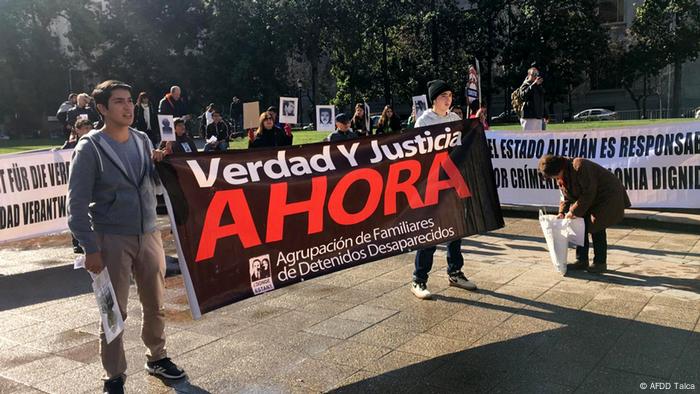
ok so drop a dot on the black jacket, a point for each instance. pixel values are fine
(359, 126)
(394, 125)
(179, 142)
(170, 106)
(220, 130)
(140, 120)
(75, 112)
(533, 98)
(270, 138)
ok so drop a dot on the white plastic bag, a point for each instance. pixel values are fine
(555, 234)
(575, 230)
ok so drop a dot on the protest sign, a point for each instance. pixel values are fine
(420, 103)
(325, 117)
(251, 115)
(658, 165)
(289, 110)
(33, 189)
(167, 127)
(248, 222)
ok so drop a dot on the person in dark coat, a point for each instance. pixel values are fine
(219, 129)
(360, 121)
(183, 143)
(269, 135)
(342, 130)
(82, 110)
(146, 118)
(389, 122)
(532, 93)
(590, 192)
(173, 104)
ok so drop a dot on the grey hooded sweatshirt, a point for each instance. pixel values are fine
(103, 198)
(430, 117)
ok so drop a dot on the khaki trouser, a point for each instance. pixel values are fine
(142, 256)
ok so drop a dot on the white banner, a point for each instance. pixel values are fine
(33, 194)
(659, 166)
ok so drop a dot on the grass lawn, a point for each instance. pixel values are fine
(308, 137)
(571, 126)
(15, 146)
(300, 138)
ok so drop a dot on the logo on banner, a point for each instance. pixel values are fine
(260, 274)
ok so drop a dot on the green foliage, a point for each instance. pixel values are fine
(217, 49)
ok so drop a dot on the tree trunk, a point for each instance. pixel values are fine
(314, 86)
(644, 99)
(434, 39)
(385, 70)
(677, 89)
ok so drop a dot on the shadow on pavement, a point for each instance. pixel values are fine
(632, 279)
(549, 348)
(40, 286)
(631, 249)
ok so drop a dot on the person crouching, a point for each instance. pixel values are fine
(590, 192)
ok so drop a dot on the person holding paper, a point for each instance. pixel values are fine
(590, 192)
(82, 110)
(219, 129)
(183, 143)
(112, 214)
(358, 124)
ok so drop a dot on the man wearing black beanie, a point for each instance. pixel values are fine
(440, 94)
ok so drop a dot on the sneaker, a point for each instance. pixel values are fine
(459, 280)
(78, 250)
(420, 290)
(113, 386)
(165, 368)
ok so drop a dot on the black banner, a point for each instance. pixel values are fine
(256, 220)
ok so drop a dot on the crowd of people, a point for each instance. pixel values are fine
(112, 187)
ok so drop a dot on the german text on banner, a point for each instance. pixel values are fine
(659, 166)
(248, 222)
(33, 189)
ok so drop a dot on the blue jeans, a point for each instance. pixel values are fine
(424, 260)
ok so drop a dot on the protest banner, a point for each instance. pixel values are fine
(33, 189)
(248, 222)
(658, 165)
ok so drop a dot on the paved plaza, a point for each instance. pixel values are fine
(527, 329)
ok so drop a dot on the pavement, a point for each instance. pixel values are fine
(526, 330)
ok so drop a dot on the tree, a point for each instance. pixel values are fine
(669, 29)
(561, 38)
(32, 64)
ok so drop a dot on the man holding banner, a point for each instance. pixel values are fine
(112, 212)
(440, 94)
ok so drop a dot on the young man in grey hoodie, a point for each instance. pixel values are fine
(112, 214)
(440, 94)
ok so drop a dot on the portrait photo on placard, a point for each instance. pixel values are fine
(167, 127)
(325, 117)
(420, 103)
(288, 110)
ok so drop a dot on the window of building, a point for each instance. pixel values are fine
(611, 11)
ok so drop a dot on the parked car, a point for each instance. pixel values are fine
(509, 116)
(697, 113)
(596, 114)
